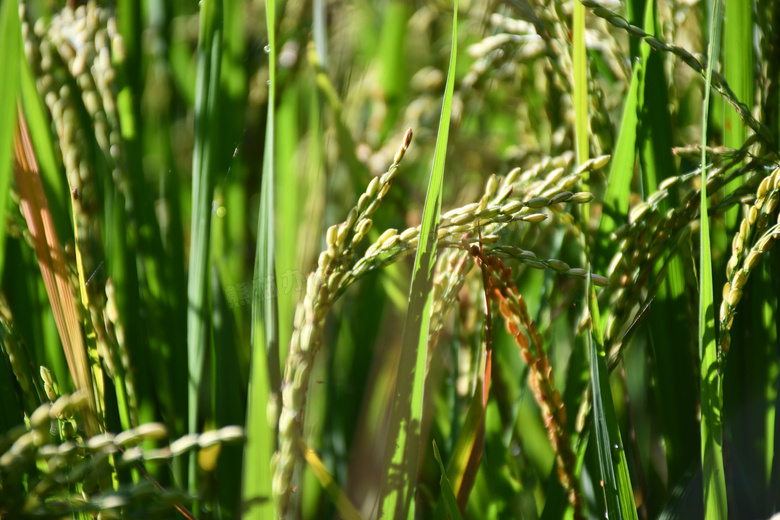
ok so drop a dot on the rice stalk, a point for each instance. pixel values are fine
(512, 106)
(80, 43)
(649, 234)
(67, 458)
(519, 197)
(522, 328)
(322, 287)
(753, 238)
(541, 186)
(696, 62)
(18, 355)
(53, 268)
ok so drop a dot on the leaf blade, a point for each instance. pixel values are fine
(10, 49)
(264, 362)
(450, 502)
(715, 504)
(403, 440)
(612, 457)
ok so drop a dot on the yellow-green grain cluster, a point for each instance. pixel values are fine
(518, 197)
(523, 330)
(82, 44)
(63, 458)
(754, 238)
(649, 234)
(321, 290)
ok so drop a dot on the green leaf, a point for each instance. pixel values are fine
(469, 435)
(715, 504)
(54, 180)
(621, 174)
(264, 365)
(10, 49)
(580, 95)
(580, 83)
(669, 314)
(738, 68)
(468, 446)
(615, 480)
(227, 398)
(206, 111)
(391, 56)
(399, 481)
(450, 502)
(340, 500)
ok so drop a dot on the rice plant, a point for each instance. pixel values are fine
(389, 259)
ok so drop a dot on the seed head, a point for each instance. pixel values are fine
(512, 176)
(491, 186)
(724, 310)
(402, 150)
(734, 297)
(753, 259)
(534, 217)
(564, 196)
(511, 207)
(558, 265)
(386, 236)
(582, 197)
(537, 202)
(373, 187)
(463, 219)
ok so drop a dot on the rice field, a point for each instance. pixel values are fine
(359, 260)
